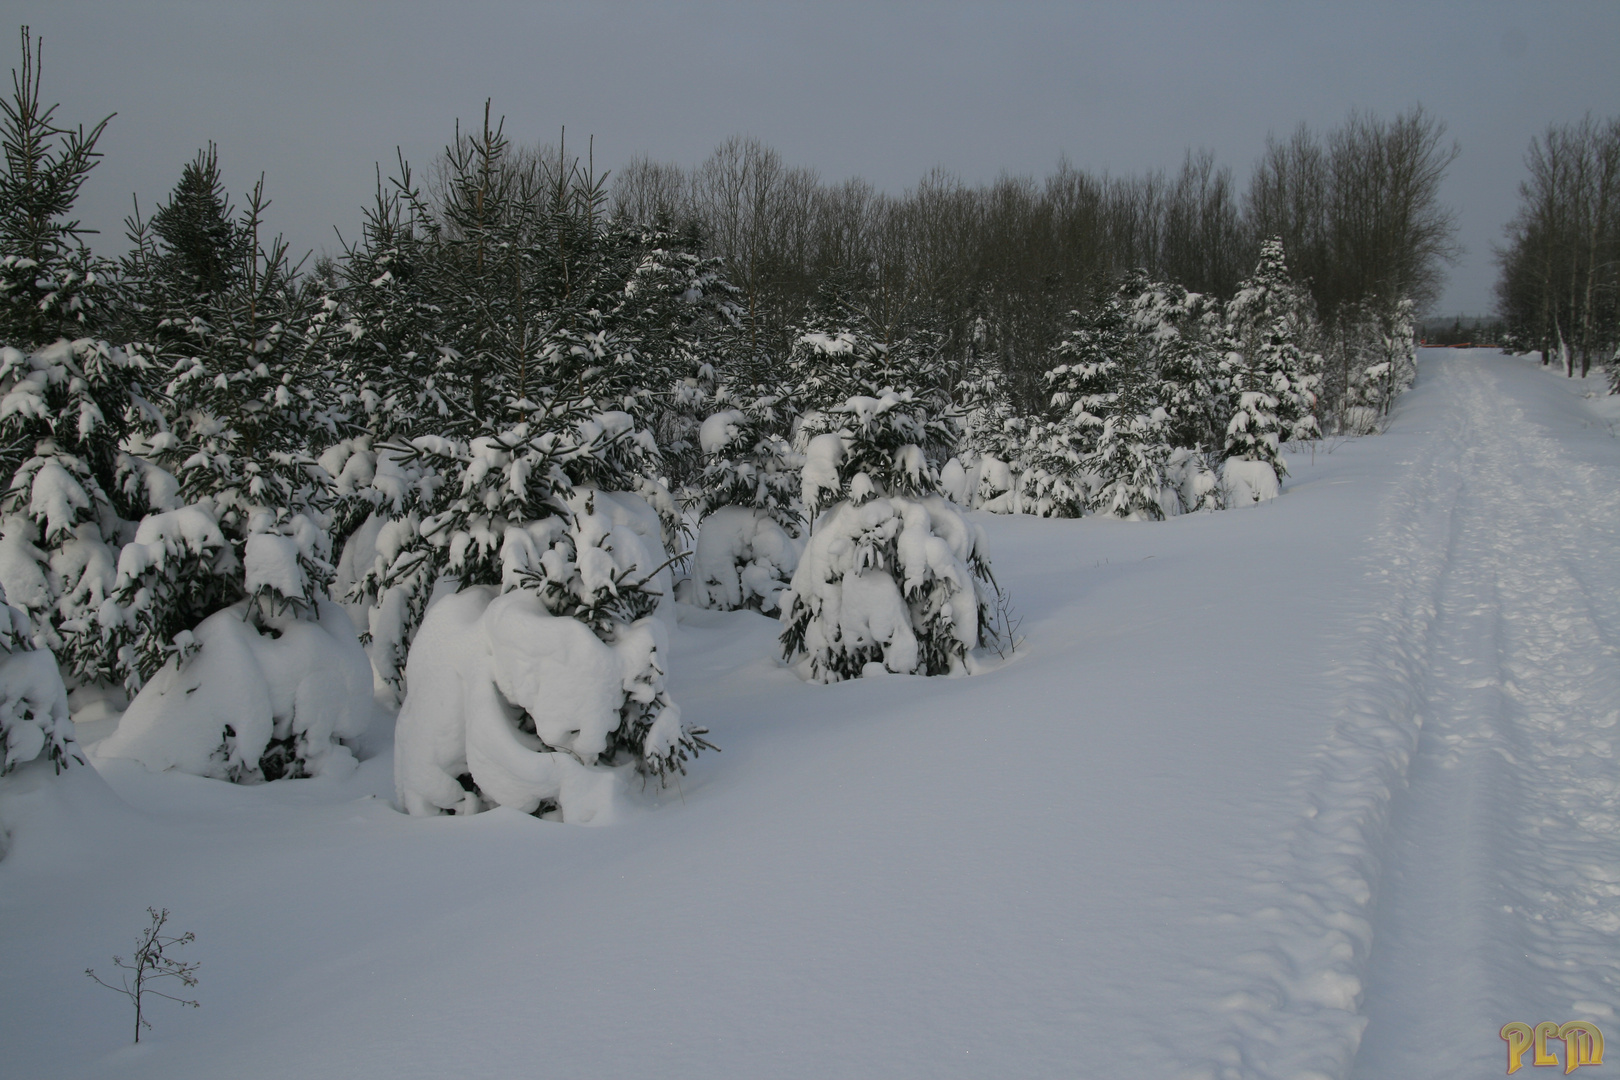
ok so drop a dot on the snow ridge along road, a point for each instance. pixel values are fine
(1456, 866)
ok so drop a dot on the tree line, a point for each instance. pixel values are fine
(1558, 292)
(994, 270)
(524, 379)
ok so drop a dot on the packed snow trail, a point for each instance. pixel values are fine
(1172, 837)
(1503, 868)
(1458, 857)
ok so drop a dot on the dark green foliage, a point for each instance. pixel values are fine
(49, 282)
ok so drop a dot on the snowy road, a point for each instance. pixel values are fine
(1328, 787)
(1500, 895)
(1459, 864)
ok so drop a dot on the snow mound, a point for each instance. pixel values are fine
(1194, 483)
(249, 705)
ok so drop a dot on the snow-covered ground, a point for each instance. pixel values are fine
(1329, 786)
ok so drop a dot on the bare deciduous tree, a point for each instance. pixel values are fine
(148, 964)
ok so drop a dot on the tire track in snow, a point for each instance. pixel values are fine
(1294, 1004)
(1503, 898)
(1474, 755)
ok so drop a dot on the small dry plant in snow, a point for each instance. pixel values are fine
(149, 964)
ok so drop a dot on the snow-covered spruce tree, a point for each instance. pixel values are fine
(34, 720)
(681, 315)
(522, 499)
(387, 352)
(65, 397)
(242, 668)
(531, 525)
(1178, 335)
(1131, 464)
(63, 411)
(840, 351)
(1252, 466)
(1090, 363)
(1384, 362)
(829, 364)
(750, 542)
(995, 438)
(749, 538)
(245, 408)
(1273, 377)
(50, 285)
(36, 728)
(1179, 339)
(893, 577)
(1272, 326)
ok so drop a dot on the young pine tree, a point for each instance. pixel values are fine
(50, 285)
(1271, 323)
(65, 398)
(893, 577)
(1090, 365)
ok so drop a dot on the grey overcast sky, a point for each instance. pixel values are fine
(313, 93)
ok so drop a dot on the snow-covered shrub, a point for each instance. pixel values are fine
(749, 538)
(240, 668)
(897, 584)
(893, 576)
(176, 571)
(511, 705)
(956, 483)
(450, 504)
(1197, 485)
(519, 513)
(536, 692)
(1246, 481)
(252, 694)
(34, 720)
(995, 489)
(744, 559)
(892, 444)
